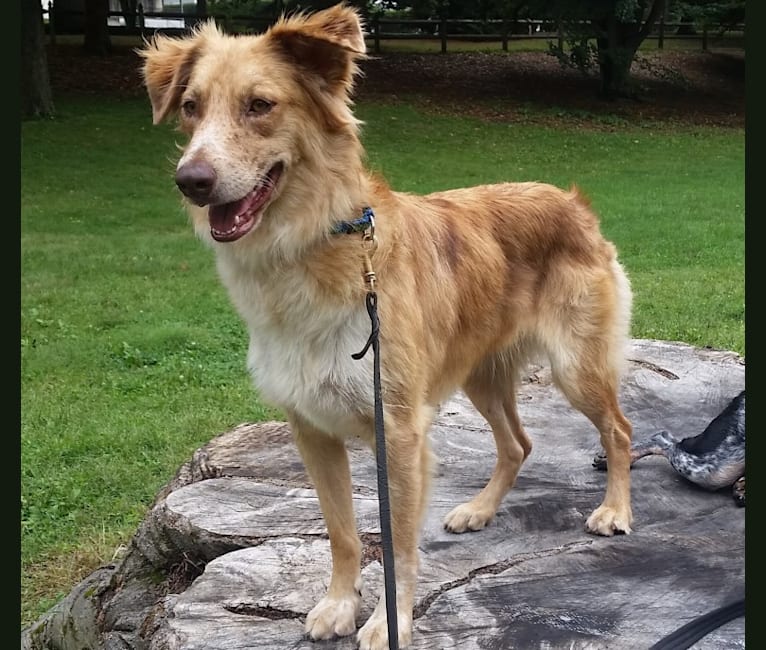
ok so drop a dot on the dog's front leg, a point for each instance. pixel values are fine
(326, 460)
(409, 462)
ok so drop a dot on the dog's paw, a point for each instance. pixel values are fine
(374, 633)
(467, 517)
(608, 521)
(333, 617)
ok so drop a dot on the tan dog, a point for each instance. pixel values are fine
(472, 282)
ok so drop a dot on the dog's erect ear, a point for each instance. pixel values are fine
(327, 42)
(168, 63)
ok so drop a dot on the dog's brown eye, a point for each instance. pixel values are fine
(189, 107)
(259, 107)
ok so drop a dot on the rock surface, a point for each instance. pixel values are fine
(234, 553)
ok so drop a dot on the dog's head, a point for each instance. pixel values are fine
(263, 114)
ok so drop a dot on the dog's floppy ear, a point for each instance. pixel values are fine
(327, 42)
(168, 63)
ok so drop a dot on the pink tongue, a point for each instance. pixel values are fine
(222, 216)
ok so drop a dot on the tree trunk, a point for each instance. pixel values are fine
(618, 43)
(36, 96)
(614, 61)
(97, 39)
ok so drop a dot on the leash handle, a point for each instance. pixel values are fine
(389, 574)
(687, 635)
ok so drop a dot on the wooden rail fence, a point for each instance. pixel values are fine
(441, 30)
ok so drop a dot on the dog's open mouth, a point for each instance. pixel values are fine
(230, 221)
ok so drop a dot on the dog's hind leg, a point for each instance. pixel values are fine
(584, 328)
(326, 461)
(494, 396)
(590, 382)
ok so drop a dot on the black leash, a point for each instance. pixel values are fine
(389, 577)
(684, 637)
(369, 244)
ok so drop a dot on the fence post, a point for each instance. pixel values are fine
(661, 36)
(704, 37)
(51, 23)
(376, 33)
(504, 34)
(141, 22)
(443, 34)
(560, 37)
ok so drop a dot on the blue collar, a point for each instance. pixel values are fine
(357, 225)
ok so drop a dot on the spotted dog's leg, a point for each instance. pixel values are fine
(738, 492)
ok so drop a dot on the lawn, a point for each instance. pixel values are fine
(131, 356)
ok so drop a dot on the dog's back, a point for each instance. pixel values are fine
(507, 271)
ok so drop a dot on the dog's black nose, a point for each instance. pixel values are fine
(196, 180)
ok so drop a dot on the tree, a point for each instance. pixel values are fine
(97, 40)
(36, 96)
(725, 13)
(618, 28)
(603, 34)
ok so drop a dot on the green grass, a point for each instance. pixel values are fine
(131, 356)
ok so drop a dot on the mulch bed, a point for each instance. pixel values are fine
(689, 87)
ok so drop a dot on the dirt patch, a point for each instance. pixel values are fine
(689, 87)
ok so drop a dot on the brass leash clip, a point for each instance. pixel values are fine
(369, 245)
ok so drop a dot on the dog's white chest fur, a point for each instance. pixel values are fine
(300, 353)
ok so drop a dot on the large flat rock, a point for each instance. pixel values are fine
(532, 579)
